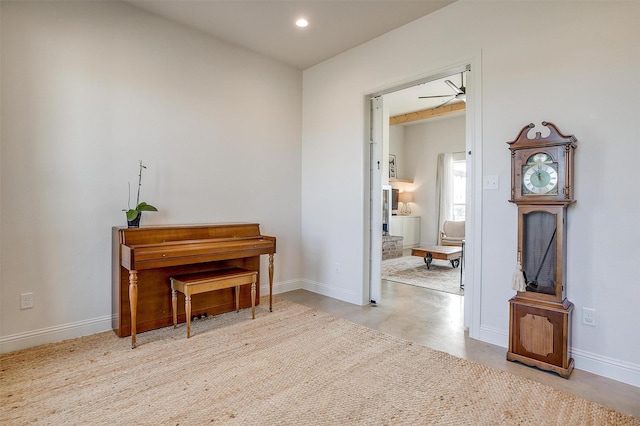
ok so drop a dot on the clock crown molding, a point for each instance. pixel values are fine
(555, 138)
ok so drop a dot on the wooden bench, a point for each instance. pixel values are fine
(203, 282)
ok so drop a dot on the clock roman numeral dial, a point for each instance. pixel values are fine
(540, 178)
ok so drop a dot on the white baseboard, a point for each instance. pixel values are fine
(282, 287)
(330, 291)
(494, 336)
(610, 368)
(27, 339)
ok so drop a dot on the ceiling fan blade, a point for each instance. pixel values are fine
(437, 96)
(454, 87)
(443, 104)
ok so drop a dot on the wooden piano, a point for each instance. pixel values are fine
(144, 258)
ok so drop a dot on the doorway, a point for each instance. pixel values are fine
(380, 153)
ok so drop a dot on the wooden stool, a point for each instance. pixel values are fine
(203, 282)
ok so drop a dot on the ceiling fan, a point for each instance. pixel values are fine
(460, 93)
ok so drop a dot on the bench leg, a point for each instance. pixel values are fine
(253, 297)
(187, 311)
(174, 306)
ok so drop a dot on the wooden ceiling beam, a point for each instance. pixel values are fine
(427, 113)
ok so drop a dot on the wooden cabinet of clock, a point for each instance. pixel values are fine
(540, 335)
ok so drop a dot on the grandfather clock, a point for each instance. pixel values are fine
(542, 188)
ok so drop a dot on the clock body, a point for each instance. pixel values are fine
(542, 189)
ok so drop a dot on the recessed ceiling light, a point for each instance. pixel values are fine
(302, 23)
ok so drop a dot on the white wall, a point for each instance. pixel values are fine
(417, 147)
(539, 61)
(90, 88)
(423, 143)
(397, 148)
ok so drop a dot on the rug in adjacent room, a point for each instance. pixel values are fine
(413, 270)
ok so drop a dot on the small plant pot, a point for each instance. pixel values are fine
(135, 223)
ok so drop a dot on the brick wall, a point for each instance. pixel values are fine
(391, 246)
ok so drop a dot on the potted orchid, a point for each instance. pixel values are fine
(134, 215)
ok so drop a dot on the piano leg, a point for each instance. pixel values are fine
(133, 304)
(187, 311)
(270, 282)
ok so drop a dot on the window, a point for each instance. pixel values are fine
(459, 186)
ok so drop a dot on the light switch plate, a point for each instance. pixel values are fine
(491, 182)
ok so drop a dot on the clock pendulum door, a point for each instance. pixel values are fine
(538, 259)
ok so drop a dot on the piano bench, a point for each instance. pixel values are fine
(203, 282)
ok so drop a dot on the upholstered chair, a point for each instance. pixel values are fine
(452, 233)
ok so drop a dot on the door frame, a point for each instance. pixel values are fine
(473, 144)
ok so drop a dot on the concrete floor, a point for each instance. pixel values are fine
(435, 319)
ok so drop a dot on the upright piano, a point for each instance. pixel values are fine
(144, 258)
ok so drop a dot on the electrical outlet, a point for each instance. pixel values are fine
(589, 316)
(26, 300)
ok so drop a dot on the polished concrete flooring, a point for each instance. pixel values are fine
(435, 319)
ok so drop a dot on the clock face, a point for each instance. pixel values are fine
(540, 175)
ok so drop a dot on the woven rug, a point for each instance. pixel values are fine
(294, 366)
(412, 270)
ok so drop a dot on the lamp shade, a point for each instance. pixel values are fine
(405, 197)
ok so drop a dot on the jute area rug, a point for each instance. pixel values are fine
(295, 366)
(412, 270)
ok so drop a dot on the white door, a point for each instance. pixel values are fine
(375, 208)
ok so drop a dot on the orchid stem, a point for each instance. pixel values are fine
(139, 183)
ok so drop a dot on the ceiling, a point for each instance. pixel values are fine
(268, 28)
(408, 100)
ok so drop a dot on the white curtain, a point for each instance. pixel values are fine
(444, 190)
